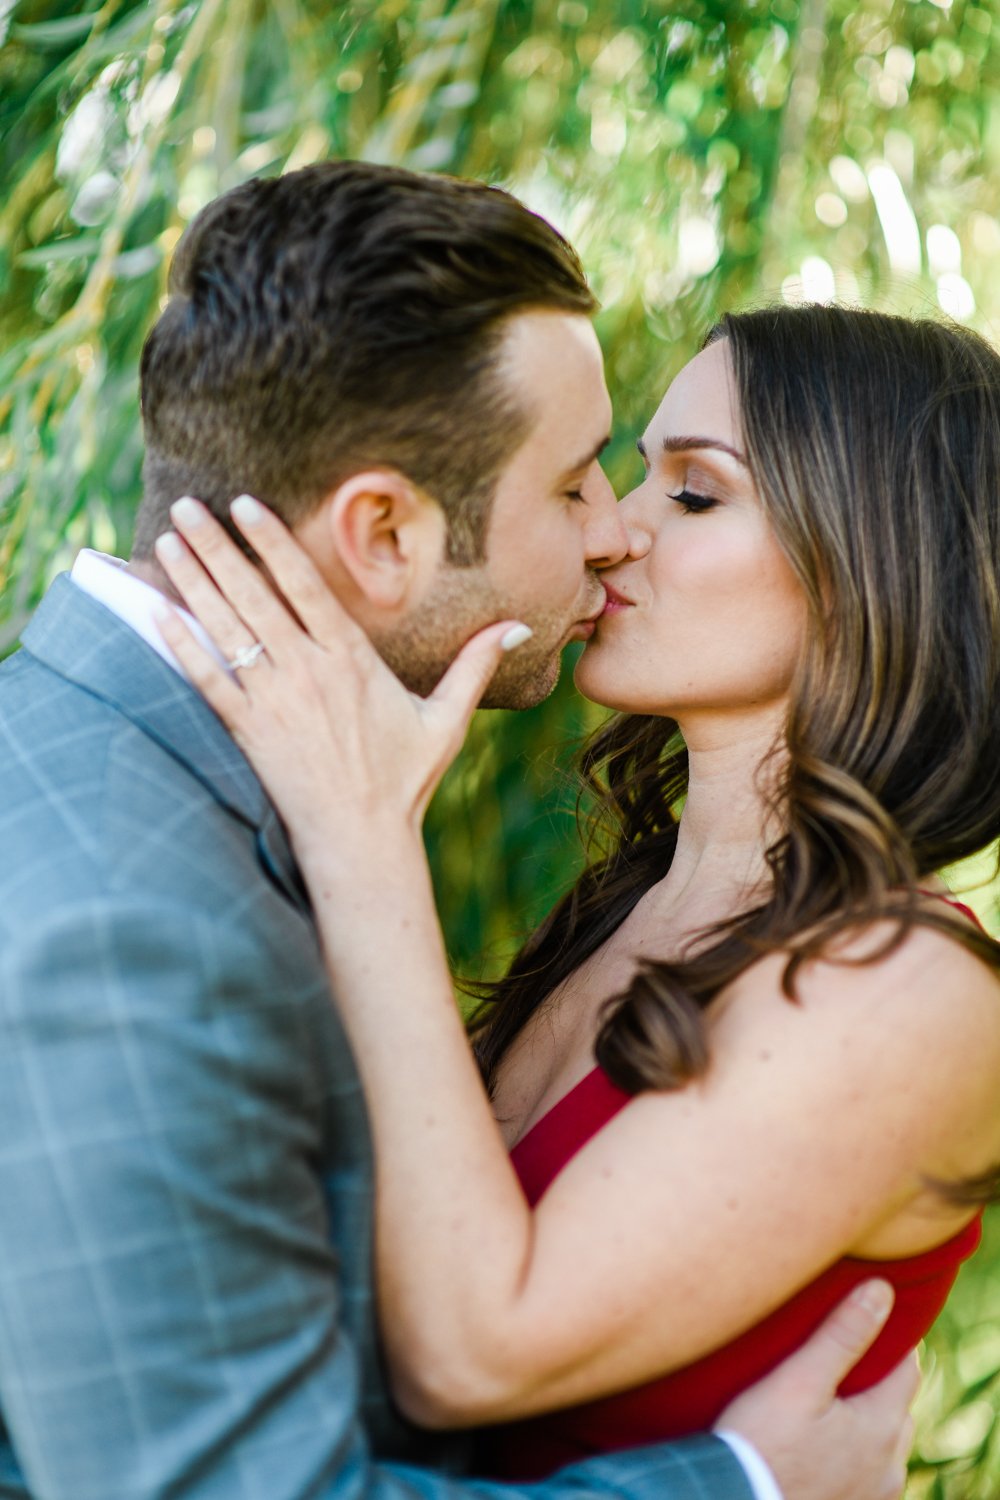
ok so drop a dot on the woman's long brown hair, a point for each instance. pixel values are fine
(874, 445)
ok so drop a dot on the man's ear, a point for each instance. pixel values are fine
(387, 534)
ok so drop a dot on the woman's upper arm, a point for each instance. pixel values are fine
(692, 1215)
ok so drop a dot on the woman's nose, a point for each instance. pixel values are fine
(639, 533)
(639, 541)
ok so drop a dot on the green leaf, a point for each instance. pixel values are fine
(84, 245)
(50, 36)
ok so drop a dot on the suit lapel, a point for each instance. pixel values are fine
(85, 643)
(275, 854)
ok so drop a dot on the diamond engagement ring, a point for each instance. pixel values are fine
(246, 658)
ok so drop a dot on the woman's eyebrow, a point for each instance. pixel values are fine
(683, 444)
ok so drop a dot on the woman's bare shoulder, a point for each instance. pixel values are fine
(919, 1019)
(929, 965)
(929, 968)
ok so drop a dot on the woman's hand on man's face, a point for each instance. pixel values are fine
(336, 739)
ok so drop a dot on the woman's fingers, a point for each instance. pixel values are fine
(226, 572)
(294, 571)
(214, 683)
(203, 598)
(326, 689)
(458, 693)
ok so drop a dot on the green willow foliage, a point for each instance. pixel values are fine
(701, 154)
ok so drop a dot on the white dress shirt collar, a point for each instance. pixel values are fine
(108, 580)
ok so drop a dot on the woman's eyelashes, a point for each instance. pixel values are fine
(692, 503)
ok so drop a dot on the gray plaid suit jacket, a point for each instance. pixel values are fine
(185, 1170)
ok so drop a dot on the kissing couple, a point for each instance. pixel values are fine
(258, 1243)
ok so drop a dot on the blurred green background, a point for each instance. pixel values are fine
(700, 155)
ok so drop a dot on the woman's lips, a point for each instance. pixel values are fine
(615, 602)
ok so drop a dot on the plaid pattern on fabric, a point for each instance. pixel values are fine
(185, 1168)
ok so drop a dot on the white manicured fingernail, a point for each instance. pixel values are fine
(247, 510)
(187, 513)
(516, 636)
(874, 1296)
(170, 546)
(162, 612)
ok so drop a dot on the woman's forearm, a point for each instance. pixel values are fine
(454, 1232)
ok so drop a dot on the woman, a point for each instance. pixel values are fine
(797, 1038)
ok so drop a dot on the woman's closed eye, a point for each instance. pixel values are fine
(692, 503)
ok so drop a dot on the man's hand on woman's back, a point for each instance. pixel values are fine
(822, 1447)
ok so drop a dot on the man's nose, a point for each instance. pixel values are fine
(606, 535)
(614, 531)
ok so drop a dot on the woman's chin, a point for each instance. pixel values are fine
(602, 683)
(594, 682)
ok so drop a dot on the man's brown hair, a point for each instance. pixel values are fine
(338, 317)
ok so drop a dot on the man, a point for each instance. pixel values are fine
(404, 368)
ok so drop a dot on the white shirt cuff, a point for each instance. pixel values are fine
(762, 1481)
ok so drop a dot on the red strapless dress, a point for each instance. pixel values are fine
(691, 1399)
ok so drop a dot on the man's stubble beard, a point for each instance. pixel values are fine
(422, 647)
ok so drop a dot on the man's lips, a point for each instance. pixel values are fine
(584, 629)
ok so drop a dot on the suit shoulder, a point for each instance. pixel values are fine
(89, 802)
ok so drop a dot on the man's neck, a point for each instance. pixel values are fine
(148, 570)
